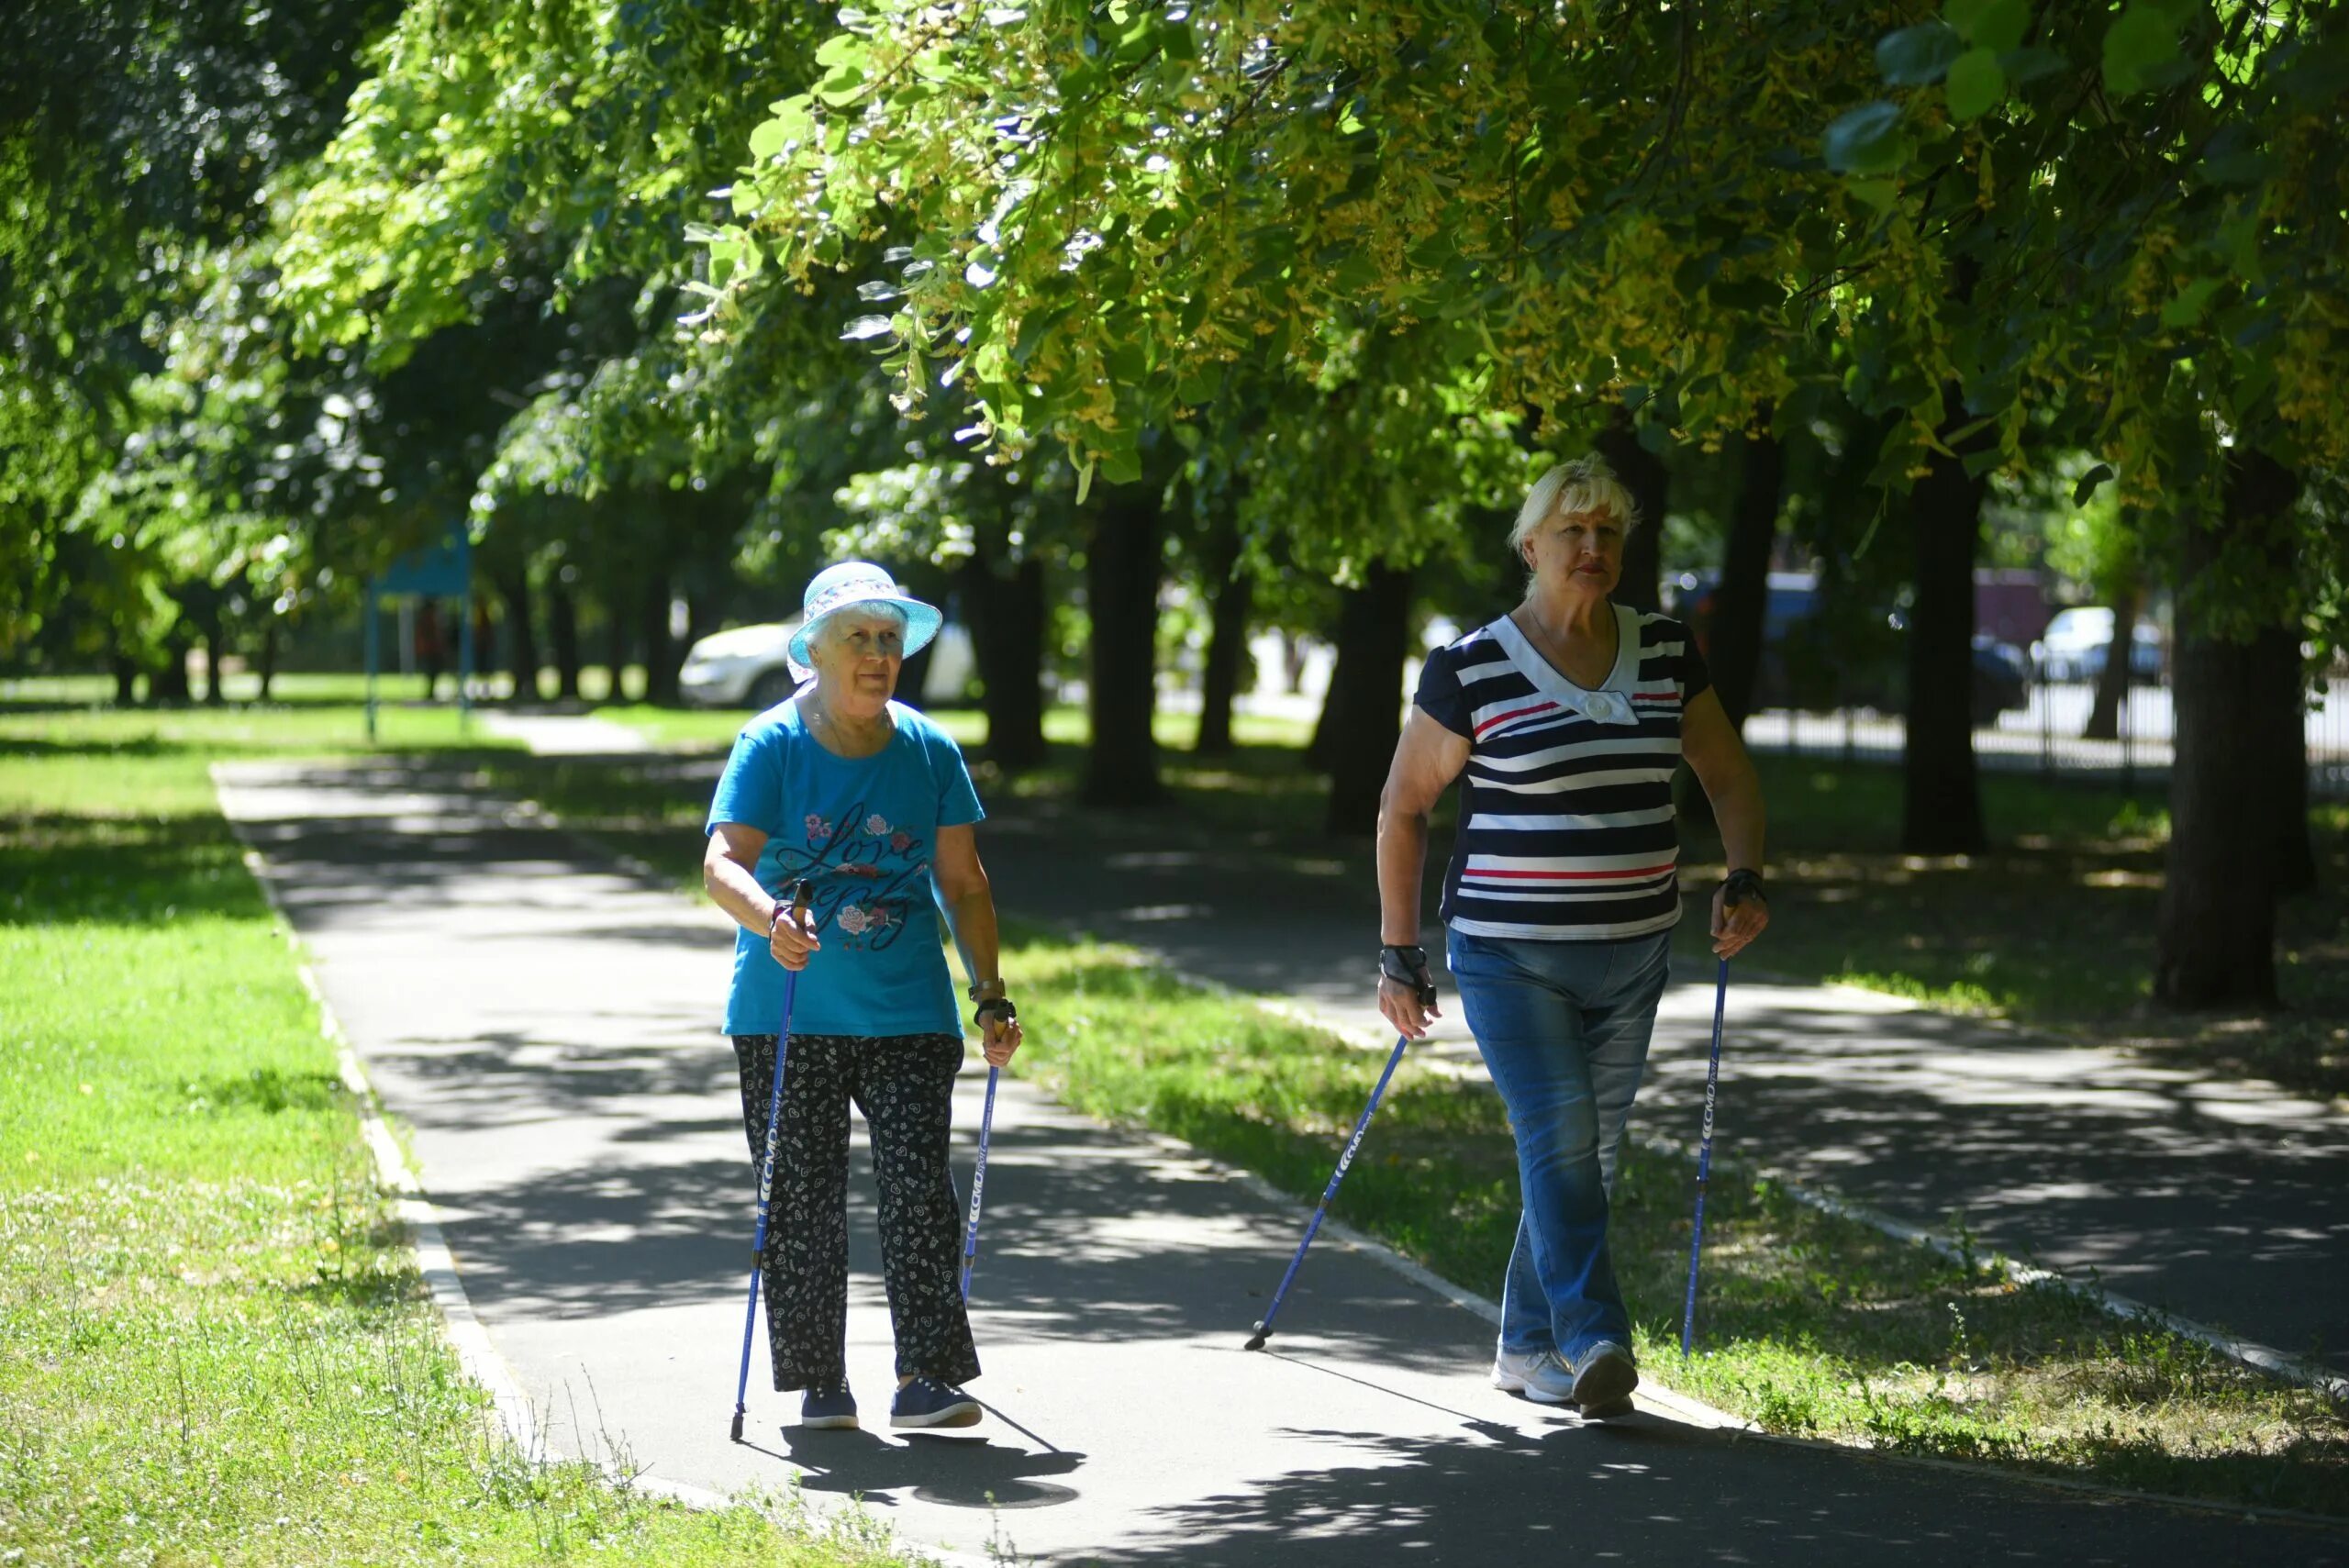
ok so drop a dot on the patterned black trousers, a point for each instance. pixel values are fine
(905, 1086)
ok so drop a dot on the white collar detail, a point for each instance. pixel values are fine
(1610, 702)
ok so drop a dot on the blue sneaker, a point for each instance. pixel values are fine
(828, 1409)
(926, 1402)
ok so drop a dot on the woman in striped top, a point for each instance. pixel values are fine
(1565, 718)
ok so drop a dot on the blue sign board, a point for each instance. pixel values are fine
(442, 571)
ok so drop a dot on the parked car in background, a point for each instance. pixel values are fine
(2078, 640)
(2001, 678)
(746, 666)
(1815, 663)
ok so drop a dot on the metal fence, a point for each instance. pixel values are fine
(2045, 736)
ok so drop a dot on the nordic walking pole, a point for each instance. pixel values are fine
(1264, 1324)
(1704, 1164)
(767, 1167)
(978, 1183)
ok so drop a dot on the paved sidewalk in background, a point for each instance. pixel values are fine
(564, 734)
(544, 1024)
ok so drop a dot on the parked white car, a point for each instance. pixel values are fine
(2077, 642)
(746, 666)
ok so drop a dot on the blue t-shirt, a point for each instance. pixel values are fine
(863, 831)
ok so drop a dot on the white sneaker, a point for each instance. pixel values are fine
(1540, 1376)
(1603, 1382)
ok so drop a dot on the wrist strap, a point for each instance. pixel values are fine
(1741, 884)
(1409, 966)
(995, 1005)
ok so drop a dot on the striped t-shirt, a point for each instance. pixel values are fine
(1566, 830)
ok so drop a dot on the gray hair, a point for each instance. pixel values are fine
(1586, 484)
(827, 629)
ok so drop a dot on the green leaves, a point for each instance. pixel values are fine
(1919, 56)
(2186, 309)
(1937, 51)
(794, 121)
(1868, 140)
(1976, 84)
(2138, 48)
(843, 58)
(1995, 25)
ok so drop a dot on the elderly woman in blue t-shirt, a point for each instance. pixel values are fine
(1566, 717)
(868, 803)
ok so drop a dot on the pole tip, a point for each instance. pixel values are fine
(1257, 1339)
(737, 1435)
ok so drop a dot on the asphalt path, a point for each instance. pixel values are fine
(545, 1026)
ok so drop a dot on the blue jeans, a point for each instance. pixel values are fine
(1564, 1028)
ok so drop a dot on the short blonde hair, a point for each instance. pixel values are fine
(1586, 484)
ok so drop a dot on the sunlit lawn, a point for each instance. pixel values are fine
(215, 1345)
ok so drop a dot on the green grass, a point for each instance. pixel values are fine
(307, 688)
(1813, 1325)
(214, 1343)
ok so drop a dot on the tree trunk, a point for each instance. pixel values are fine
(2113, 682)
(126, 680)
(1643, 474)
(1121, 574)
(1008, 621)
(615, 643)
(661, 655)
(1363, 718)
(1941, 792)
(1733, 647)
(562, 633)
(1235, 597)
(2282, 692)
(521, 635)
(1322, 745)
(2215, 945)
(168, 681)
(268, 658)
(211, 635)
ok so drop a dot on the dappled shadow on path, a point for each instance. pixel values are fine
(1085, 1236)
(2198, 1195)
(1651, 1491)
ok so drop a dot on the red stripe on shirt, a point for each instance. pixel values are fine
(1575, 875)
(1514, 713)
